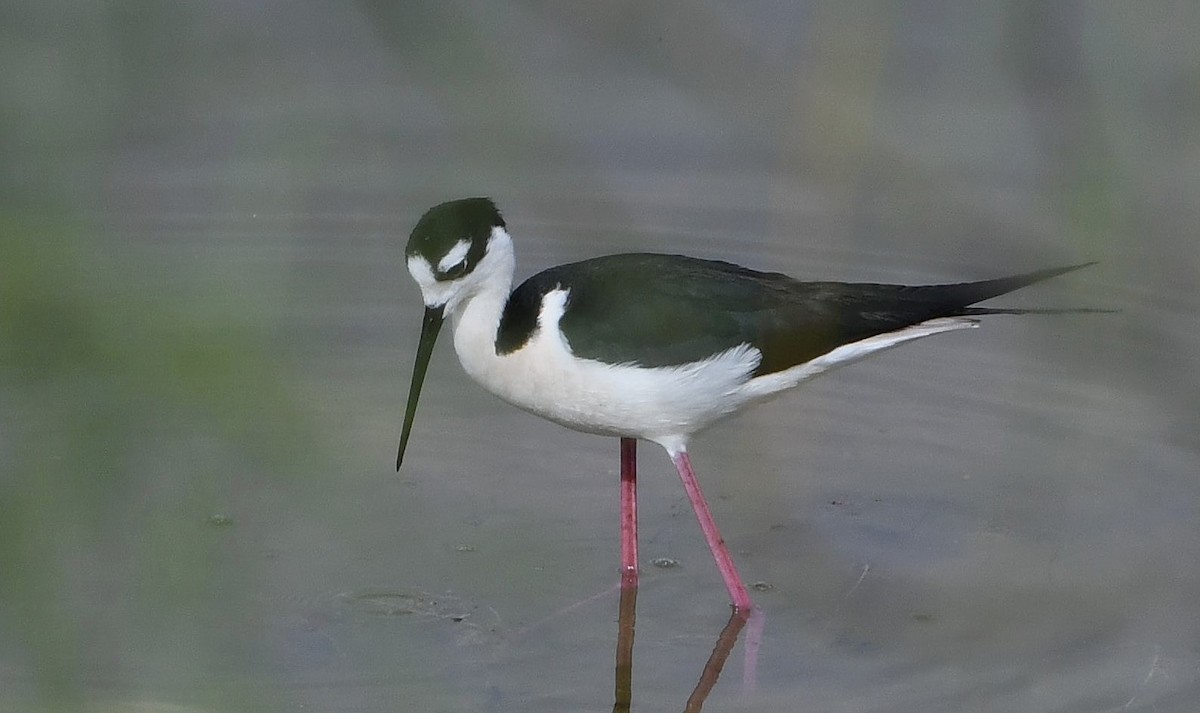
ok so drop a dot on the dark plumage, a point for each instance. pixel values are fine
(663, 310)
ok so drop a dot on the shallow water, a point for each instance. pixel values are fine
(204, 404)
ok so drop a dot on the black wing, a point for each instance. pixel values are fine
(664, 310)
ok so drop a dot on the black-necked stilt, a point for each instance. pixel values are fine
(652, 346)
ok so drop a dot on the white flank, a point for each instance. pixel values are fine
(764, 387)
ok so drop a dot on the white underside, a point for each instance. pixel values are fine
(662, 404)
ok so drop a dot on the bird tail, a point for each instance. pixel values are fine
(968, 293)
(976, 311)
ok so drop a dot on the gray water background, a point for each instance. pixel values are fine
(206, 331)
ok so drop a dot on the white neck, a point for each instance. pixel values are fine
(475, 312)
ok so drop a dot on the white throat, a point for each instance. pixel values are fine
(476, 302)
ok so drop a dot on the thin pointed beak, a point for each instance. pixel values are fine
(429, 331)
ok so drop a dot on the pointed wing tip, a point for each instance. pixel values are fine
(1056, 271)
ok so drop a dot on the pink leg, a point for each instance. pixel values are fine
(737, 590)
(629, 544)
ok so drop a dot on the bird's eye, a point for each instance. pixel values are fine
(456, 270)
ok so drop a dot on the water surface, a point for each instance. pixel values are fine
(213, 331)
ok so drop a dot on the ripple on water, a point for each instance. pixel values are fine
(476, 624)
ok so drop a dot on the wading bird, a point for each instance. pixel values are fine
(655, 347)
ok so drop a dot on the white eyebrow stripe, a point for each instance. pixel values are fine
(455, 255)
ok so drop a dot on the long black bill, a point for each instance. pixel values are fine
(429, 331)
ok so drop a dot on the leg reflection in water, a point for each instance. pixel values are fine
(624, 689)
(712, 668)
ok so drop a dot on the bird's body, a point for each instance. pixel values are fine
(654, 347)
(576, 345)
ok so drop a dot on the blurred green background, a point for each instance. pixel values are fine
(205, 331)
